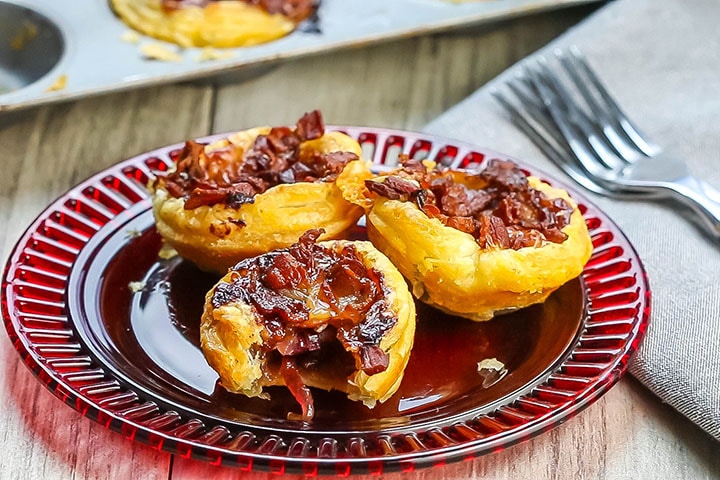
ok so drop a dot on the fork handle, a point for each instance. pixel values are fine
(701, 197)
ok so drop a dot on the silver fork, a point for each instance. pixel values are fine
(601, 150)
(531, 116)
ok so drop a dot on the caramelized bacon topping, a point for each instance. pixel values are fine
(309, 295)
(298, 389)
(295, 10)
(233, 177)
(497, 206)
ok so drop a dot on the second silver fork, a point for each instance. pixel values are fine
(596, 143)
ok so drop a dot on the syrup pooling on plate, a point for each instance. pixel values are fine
(156, 334)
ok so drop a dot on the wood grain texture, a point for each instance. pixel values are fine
(50, 150)
(402, 84)
(627, 434)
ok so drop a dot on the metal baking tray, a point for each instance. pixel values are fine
(56, 50)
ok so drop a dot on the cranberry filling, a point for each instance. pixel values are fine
(497, 206)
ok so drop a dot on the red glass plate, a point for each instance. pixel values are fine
(112, 330)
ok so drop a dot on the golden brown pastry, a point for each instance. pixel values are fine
(214, 23)
(258, 190)
(475, 244)
(335, 315)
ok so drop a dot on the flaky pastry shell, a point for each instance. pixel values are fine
(450, 271)
(219, 24)
(231, 338)
(215, 237)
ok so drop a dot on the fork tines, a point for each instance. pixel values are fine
(582, 74)
(573, 119)
(531, 116)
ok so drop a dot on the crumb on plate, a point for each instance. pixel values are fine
(491, 370)
(210, 53)
(59, 84)
(130, 36)
(158, 51)
(167, 252)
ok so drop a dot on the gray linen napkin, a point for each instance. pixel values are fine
(661, 59)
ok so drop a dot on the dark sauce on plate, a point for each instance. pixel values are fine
(153, 330)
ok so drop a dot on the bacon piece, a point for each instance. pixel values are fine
(327, 164)
(516, 209)
(295, 10)
(499, 210)
(392, 187)
(464, 224)
(459, 201)
(412, 165)
(299, 342)
(285, 272)
(283, 140)
(233, 177)
(300, 391)
(493, 232)
(233, 196)
(504, 173)
(310, 126)
(373, 359)
(433, 211)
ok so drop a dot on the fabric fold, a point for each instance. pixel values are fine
(661, 60)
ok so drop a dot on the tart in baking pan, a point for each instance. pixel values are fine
(334, 315)
(475, 244)
(214, 23)
(258, 190)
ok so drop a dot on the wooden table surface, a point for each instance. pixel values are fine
(628, 433)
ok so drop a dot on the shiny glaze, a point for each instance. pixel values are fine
(156, 334)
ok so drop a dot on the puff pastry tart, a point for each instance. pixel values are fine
(214, 23)
(258, 190)
(475, 244)
(335, 315)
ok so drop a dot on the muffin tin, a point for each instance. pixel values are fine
(55, 50)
